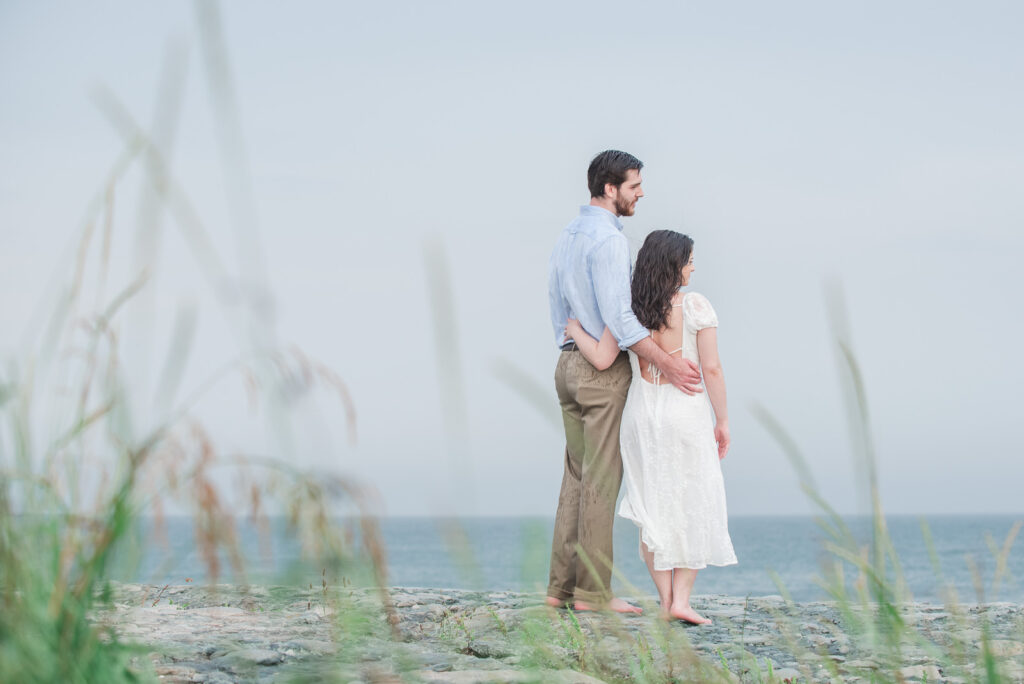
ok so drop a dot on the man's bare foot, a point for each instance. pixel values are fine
(688, 614)
(616, 604)
(555, 603)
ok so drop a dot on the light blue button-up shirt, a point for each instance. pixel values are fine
(588, 278)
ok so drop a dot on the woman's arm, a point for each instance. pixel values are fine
(714, 381)
(599, 354)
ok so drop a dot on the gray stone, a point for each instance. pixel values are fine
(488, 649)
(510, 676)
(968, 636)
(313, 646)
(253, 656)
(860, 664)
(1014, 671)
(481, 622)
(218, 611)
(760, 664)
(215, 677)
(929, 672)
(1005, 648)
(175, 673)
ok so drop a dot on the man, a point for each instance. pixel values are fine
(588, 279)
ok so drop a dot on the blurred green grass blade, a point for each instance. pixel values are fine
(535, 394)
(1002, 556)
(178, 349)
(453, 404)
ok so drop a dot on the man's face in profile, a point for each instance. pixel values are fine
(627, 194)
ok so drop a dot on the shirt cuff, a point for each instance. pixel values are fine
(633, 339)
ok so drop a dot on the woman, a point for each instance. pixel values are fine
(670, 447)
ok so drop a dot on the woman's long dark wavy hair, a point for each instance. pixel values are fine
(658, 275)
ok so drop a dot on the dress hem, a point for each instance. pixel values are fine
(687, 566)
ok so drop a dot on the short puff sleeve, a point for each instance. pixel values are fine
(697, 312)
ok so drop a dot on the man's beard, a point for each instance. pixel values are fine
(623, 208)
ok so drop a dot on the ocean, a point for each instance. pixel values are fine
(512, 554)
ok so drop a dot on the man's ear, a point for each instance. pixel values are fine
(611, 191)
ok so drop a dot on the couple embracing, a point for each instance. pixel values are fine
(633, 352)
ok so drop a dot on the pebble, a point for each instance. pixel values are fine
(253, 656)
(510, 676)
(1003, 648)
(787, 673)
(929, 672)
(313, 646)
(488, 649)
(219, 611)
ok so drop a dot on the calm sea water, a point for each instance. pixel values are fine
(512, 553)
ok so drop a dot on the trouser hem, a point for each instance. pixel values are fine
(560, 594)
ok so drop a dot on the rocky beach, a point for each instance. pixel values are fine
(231, 633)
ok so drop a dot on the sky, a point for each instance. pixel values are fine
(380, 186)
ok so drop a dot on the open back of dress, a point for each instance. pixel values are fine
(672, 477)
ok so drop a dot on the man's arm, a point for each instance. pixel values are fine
(682, 373)
(609, 271)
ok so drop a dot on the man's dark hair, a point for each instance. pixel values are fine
(610, 167)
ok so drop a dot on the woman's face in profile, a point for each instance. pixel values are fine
(687, 270)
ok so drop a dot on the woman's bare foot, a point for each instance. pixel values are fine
(688, 614)
(553, 602)
(616, 604)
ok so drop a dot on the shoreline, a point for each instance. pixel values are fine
(232, 633)
(507, 553)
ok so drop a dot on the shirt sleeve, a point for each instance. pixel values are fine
(556, 303)
(697, 312)
(609, 271)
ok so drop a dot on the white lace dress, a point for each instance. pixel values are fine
(671, 473)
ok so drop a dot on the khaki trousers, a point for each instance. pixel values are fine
(592, 403)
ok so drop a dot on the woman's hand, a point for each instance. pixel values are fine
(722, 438)
(573, 329)
(600, 353)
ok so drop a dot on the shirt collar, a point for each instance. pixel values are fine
(591, 210)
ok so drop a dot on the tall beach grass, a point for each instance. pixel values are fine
(79, 470)
(80, 464)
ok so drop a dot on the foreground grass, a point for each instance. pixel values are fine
(76, 443)
(78, 468)
(85, 449)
